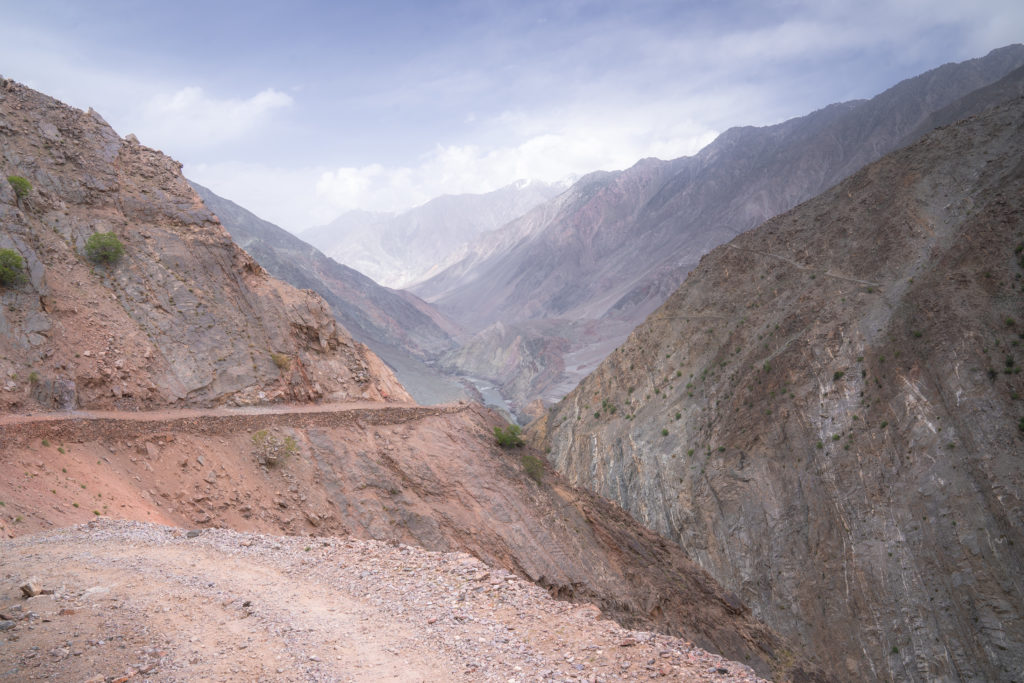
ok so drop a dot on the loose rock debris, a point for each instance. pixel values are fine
(142, 602)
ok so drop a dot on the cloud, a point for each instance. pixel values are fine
(552, 149)
(190, 119)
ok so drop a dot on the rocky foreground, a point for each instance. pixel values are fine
(132, 601)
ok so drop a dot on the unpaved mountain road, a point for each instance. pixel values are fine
(135, 601)
(86, 424)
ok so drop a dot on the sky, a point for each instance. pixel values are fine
(302, 110)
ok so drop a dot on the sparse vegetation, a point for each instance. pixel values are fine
(664, 432)
(104, 247)
(511, 436)
(533, 467)
(271, 450)
(21, 185)
(282, 361)
(11, 267)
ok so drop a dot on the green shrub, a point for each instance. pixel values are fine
(21, 186)
(11, 267)
(271, 451)
(104, 247)
(510, 437)
(534, 467)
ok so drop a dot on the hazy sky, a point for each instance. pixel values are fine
(301, 110)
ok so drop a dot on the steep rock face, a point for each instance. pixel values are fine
(400, 250)
(185, 317)
(616, 245)
(827, 415)
(399, 327)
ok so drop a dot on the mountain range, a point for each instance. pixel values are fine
(818, 418)
(609, 250)
(827, 415)
(400, 328)
(179, 383)
(398, 250)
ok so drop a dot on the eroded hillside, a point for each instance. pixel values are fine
(185, 317)
(427, 476)
(828, 414)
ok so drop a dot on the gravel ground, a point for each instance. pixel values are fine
(135, 601)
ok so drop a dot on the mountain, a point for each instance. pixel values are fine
(399, 250)
(185, 317)
(827, 414)
(398, 326)
(615, 245)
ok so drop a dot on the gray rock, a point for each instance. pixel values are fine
(811, 421)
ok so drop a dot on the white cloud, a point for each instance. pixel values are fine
(551, 149)
(189, 118)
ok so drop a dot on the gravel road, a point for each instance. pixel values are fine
(141, 602)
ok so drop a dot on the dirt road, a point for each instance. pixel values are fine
(134, 601)
(87, 424)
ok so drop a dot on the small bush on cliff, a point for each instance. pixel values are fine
(534, 468)
(104, 247)
(509, 437)
(11, 267)
(21, 186)
(282, 361)
(271, 451)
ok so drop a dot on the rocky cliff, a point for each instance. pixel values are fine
(828, 414)
(185, 317)
(616, 245)
(400, 328)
